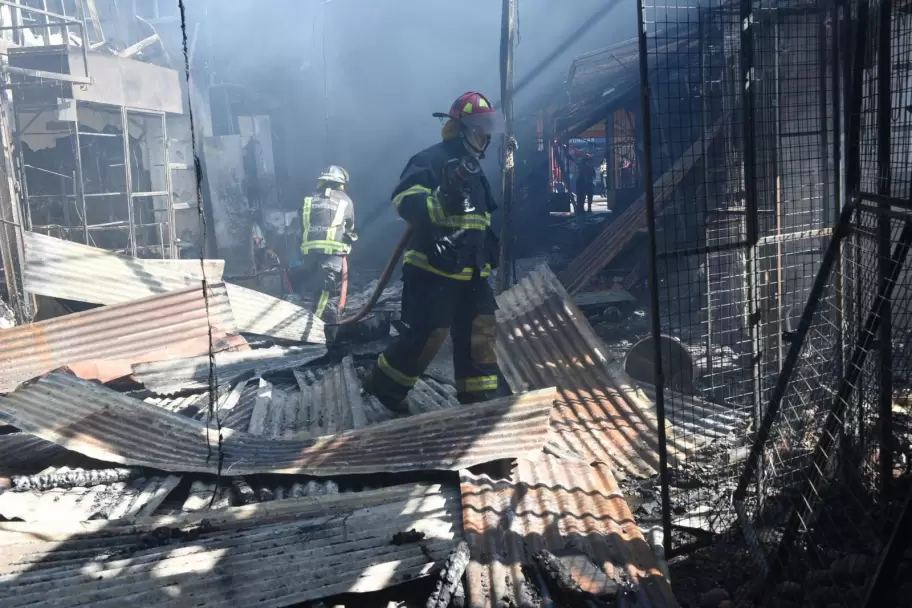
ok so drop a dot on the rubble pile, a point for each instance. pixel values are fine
(164, 452)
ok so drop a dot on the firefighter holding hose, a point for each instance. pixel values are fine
(328, 218)
(446, 199)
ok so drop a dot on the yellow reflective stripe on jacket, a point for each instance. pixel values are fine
(397, 200)
(337, 221)
(305, 216)
(469, 221)
(420, 260)
(477, 384)
(394, 374)
(332, 247)
(438, 216)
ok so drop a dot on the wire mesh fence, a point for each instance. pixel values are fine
(810, 310)
(743, 233)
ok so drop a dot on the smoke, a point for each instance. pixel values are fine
(354, 82)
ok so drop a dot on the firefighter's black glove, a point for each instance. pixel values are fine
(445, 248)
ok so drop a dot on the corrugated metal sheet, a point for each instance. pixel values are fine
(558, 506)
(121, 331)
(103, 424)
(272, 554)
(169, 377)
(618, 234)
(262, 314)
(63, 269)
(21, 452)
(330, 404)
(544, 340)
(125, 499)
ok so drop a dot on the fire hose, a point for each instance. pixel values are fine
(382, 282)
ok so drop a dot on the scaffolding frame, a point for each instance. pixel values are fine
(82, 200)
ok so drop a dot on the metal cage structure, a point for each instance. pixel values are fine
(782, 264)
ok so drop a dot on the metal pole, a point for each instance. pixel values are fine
(172, 228)
(750, 203)
(125, 121)
(884, 224)
(507, 39)
(646, 122)
(838, 190)
(12, 254)
(704, 122)
(79, 179)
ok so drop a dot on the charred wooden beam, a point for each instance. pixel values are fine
(450, 577)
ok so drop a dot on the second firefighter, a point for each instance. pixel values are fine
(328, 218)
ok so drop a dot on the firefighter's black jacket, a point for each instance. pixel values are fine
(416, 201)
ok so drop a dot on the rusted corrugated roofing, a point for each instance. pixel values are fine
(265, 315)
(121, 331)
(177, 375)
(21, 452)
(271, 554)
(557, 506)
(544, 340)
(103, 424)
(64, 269)
(123, 499)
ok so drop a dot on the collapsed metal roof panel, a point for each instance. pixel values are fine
(103, 424)
(63, 269)
(176, 375)
(122, 499)
(240, 556)
(544, 340)
(265, 315)
(330, 404)
(560, 507)
(21, 451)
(121, 331)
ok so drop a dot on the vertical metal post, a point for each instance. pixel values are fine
(704, 124)
(172, 228)
(884, 223)
(750, 200)
(780, 271)
(829, 211)
(839, 18)
(646, 122)
(23, 178)
(46, 31)
(855, 93)
(507, 39)
(125, 121)
(79, 179)
(12, 254)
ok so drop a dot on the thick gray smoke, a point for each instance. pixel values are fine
(354, 82)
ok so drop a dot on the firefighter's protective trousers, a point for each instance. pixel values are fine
(318, 280)
(432, 307)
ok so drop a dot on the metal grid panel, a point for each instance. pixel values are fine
(742, 235)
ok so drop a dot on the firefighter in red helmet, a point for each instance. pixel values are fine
(447, 199)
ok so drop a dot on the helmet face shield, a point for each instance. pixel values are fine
(484, 123)
(479, 128)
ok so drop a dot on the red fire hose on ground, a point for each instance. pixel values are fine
(381, 283)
